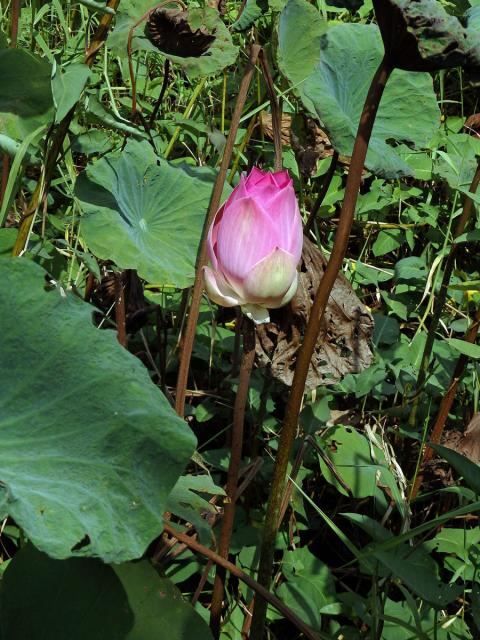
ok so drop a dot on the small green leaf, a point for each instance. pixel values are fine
(466, 348)
(67, 87)
(252, 11)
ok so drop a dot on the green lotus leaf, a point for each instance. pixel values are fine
(334, 87)
(144, 213)
(90, 448)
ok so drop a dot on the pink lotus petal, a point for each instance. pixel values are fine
(219, 290)
(282, 179)
(270, 279)
(245, 236)
(288, 222)
(254, 177)
(212, 237)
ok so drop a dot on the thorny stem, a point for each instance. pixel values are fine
(323, 192)
(233, 470)
(276, 111)
(57, 144)
(202, 255)
(445, 407)
(250, 582)
(334, 264)
(442, 294)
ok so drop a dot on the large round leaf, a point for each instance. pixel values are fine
(336, 89)
(145, 216)
(90, 448)
(91, 600)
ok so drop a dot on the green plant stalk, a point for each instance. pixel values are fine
(186, 114)
(189, 335)
(334, 264)
(233, 471)
(43, 184)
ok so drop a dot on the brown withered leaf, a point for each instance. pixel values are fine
(468, 443)
(472, 125)
(304, 136)
(344, 342)
(168, 29)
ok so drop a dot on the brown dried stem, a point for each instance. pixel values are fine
(290, 422)
(57, 143)
(445, 407)
(250, 582)
(202, 254)
(276, 111)
(233, 471)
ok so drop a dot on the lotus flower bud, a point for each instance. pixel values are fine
(255, 244)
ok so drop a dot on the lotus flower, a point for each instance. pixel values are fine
(254, 245)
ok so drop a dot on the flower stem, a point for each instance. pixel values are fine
(276, 111)
(202, 254)
(233, 471)
(334, 264)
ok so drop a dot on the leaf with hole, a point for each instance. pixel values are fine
(176, 33)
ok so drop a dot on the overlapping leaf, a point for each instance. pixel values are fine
(143, 215)
(334, 81)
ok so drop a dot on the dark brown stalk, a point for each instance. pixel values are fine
(186, 352)
(323, 192)
(275, 109)
(156, 108)
(447, 273)
(16, 8)
(250, 582)
(445, 407)
(120, 317)
(233, 471)
(334, 264)
(43, 184)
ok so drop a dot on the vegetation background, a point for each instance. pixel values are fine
(116, 127)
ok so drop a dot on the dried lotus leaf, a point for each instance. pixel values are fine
(170, 32)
